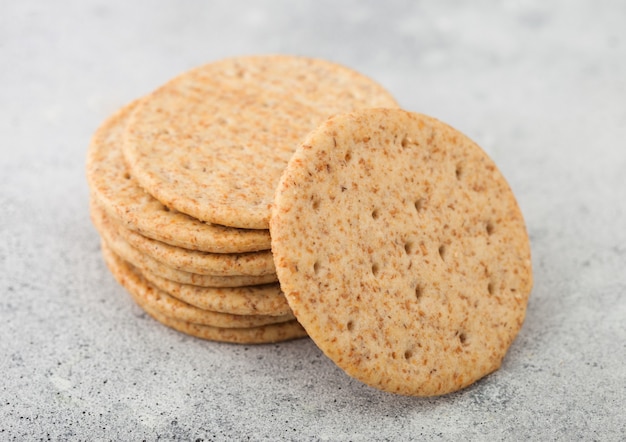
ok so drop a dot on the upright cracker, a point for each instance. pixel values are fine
(402, 251)
(146, 295)
(121, 196)
(194, 261)
(266, 299)
(213, 142)
(147, 264)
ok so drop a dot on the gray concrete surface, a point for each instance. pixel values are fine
(540, 85)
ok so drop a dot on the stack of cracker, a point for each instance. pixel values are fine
(399, 246)
(182, 182)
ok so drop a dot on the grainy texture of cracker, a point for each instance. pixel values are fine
(193, 261)
(266, 299)
(266, 334)
(213, 142)
(145, 263)
(121, 196)
(402, 251)
(157, 300)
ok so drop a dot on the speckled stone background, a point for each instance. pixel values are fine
(541, 85)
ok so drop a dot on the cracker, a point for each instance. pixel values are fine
(265, 334)
(147, 264)
(402, 251)
(193, 261)
(146, 295)
(213, 142)
(122, 197)
(266, 299)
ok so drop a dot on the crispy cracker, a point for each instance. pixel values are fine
(120, 195)
(145, 263)
(265, 334)
(213, 142)
(147, 295)
(402, 251)
(266, 299)
(193, 261)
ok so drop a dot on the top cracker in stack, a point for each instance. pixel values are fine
(213, 142)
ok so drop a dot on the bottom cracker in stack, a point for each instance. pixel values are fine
(229, 308)
(226, 327)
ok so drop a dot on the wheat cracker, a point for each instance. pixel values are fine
(147, 264)
(213, 142)
(157, 300)
(402, 251)
(265, 299)
(121, 196)
(193, 261)
(265, 334)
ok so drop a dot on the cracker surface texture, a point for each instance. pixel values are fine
(194, 261)
(264, 334)
(254, 334)
(213, 142)
(146, 263)
(402, 251)
(147, 295)
(117, 192)
(264, 299)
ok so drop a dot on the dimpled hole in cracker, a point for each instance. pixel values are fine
(418, 291)
(442, 252)
(458, 171)
(409, 247)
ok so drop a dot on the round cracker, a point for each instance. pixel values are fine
(266, 299)
(122, 197)
(193, 261)
(213, 142)
(402, 251)
(266, 334)
(147, 295)
(145, 263)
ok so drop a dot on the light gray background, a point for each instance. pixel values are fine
(541, 85)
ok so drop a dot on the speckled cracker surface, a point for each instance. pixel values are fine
(265, 299)
(147, 295)
(146, 263)
(121, 196)
(260, 334)
(264, 334)
(402, 251)
(194, 261)
(213, 142)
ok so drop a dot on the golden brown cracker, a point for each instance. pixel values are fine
(265, 334)
(145, 263)
(148, 296)
(121, 196)
(193, 261)
(265, 299)
(402, 251)
(213, 141)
